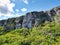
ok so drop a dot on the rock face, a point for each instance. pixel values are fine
(31, 19)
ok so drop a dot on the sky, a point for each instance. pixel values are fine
(16, 8)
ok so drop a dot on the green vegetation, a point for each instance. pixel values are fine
(46, 34)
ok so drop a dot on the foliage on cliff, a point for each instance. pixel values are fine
(46, 34)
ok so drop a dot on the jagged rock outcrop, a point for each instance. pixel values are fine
(31, 19)
(18, 22)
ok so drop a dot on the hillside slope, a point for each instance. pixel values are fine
(47, 34)
(35, 28)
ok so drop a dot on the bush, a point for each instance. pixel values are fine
(49, 34)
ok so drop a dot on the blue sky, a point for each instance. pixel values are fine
(15, 8)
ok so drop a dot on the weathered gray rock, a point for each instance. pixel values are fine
(31, 19)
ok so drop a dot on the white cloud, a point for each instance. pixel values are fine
(23, 9)
(9, 15)
(17, 10)
(6, 5)
(25, 1)
(6, 9)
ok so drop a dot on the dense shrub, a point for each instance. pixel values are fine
(48, 34)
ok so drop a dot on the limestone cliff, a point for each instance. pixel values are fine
(31, 19)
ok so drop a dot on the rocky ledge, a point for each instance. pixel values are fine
(31, 19)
